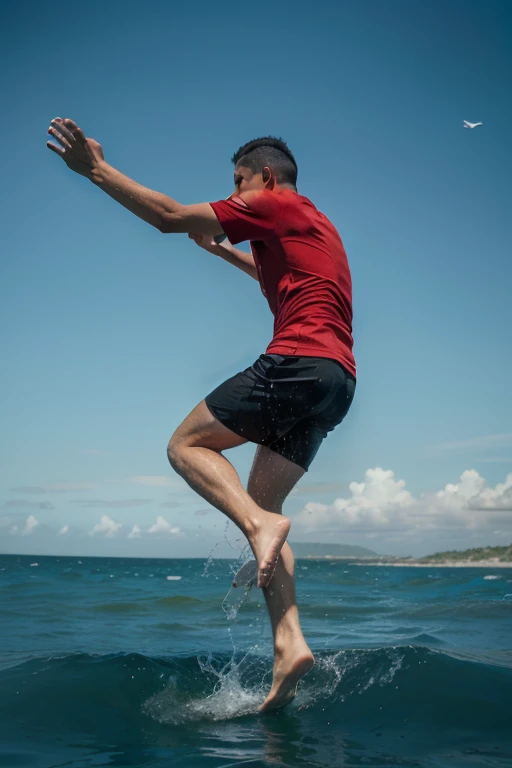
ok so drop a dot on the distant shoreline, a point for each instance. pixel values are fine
(447, 564)
(491, 563)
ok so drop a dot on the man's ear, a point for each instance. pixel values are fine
(268, 177)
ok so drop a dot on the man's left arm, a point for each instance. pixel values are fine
(85, 156)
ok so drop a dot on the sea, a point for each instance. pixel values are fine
(127, 662)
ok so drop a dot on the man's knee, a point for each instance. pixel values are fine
(175, 453)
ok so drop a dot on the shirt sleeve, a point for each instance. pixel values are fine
(253, 217)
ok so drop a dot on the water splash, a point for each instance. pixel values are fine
(228, 687)
(231, 611)
(355, 671)
(239, 688)
(209, 561)
(236, 548)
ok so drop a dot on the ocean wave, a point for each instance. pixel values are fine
(173, 600)
(404, 683)
(475, 610)
(147, 605)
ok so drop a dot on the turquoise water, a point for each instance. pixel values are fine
(107, 662)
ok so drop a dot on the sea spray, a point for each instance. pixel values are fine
(228, 688)
(352, 672)
(231, 609)
(211, 556)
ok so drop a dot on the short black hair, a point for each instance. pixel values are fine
(271, 152)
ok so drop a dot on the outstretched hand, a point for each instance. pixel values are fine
(80, 154)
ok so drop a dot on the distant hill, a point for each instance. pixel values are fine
(304, 549)
(479, 554)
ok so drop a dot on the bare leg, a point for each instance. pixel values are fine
(194, 451)
(271, 480)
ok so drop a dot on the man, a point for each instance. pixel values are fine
(294, 394)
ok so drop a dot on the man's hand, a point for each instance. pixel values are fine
(244, 261)
(207, 242)
(82, 155)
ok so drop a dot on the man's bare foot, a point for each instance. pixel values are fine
(289, 667)
(267, 542)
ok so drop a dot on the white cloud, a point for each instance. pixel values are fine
(135, 533)
(499, 497)
(30, 525)
(106, 526)
(381, 502)
(162, 526)
(14, 529)
(63, 530)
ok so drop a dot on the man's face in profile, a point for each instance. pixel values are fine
(246, 180)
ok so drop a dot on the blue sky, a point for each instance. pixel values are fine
(112, 332)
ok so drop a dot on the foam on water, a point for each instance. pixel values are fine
(229, 698)
(355, 671)
(225, 689)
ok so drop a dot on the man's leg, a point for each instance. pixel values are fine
(271, 479)
(195, 452)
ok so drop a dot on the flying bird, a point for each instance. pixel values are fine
(467, 124)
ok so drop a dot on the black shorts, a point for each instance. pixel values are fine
(287, 403)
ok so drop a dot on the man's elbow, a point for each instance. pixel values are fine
(164, 228)
(167, 225)
(172, 221)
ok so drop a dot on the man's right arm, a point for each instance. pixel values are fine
(229, 253)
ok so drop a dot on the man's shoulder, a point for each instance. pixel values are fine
(297, 204)
(298, 213)
(255, 197)
(262, 202)
(278, 197)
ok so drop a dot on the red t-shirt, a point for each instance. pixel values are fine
(302, 269)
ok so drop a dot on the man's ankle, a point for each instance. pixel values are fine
(252, 527)
(286, 638)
